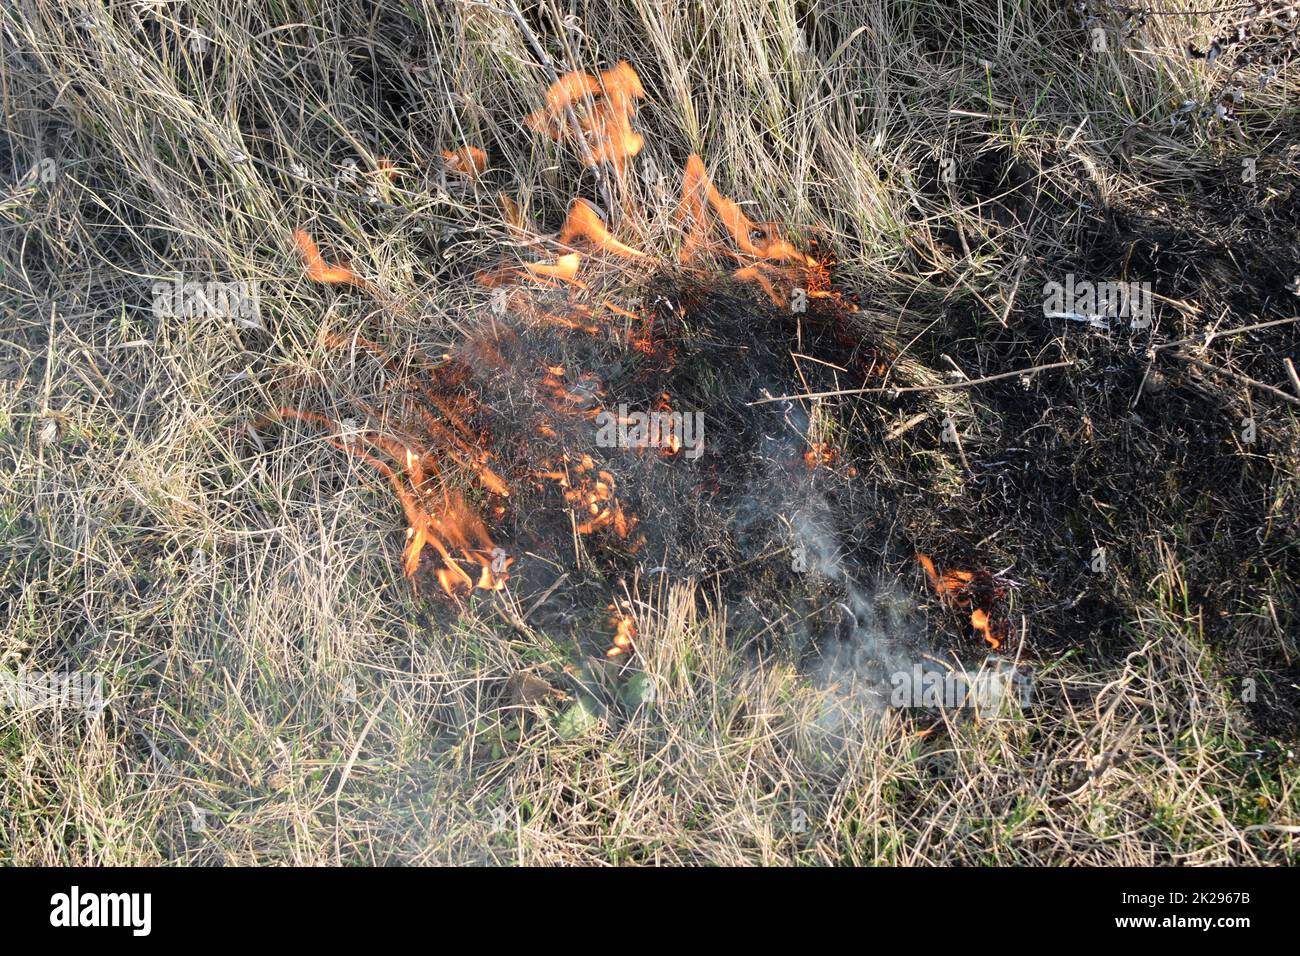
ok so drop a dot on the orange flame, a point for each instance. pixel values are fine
(514, 218)
(603, 108)
(565, 268)
(671, 442)
(767, 254)
(759, 241)
(468, 161)
(958, 589)
(590, 493)
(437, 516)
(584, 222)
(318, 270)
(624, 628)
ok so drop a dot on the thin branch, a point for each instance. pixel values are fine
(1292, 374)
(917, 388)
(1244, 379)
(1206, 340)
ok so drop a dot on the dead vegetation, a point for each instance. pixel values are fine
(277, 691)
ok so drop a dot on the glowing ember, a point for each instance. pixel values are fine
(820, 453)
(669, 442)
(962, 589)
(620, 619)
(589, 492)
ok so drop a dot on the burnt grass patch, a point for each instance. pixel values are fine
(1074, 487)
(792, 547)
(1137, 450)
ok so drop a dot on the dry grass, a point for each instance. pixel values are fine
(272, 676)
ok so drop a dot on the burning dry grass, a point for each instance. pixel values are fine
(278, 691)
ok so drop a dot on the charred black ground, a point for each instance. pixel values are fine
(1050, 468)
(784, 542)
(1144, 442)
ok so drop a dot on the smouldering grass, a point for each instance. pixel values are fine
(276, 691)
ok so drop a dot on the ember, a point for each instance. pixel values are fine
(820, 453)
(620, 619)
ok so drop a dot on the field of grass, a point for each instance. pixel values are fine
(277, 692)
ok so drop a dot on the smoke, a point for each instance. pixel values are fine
(858, 635)
(786, 532)
(847, 629)
(874, 633)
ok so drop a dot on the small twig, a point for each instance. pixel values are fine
(1011, 296)
(961, 451)
(1291, 374)
(1206, 340)
(902, 428)
(1244, 379)
(895, 390)
(512, 618)
(961, 374)
(546, 594)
